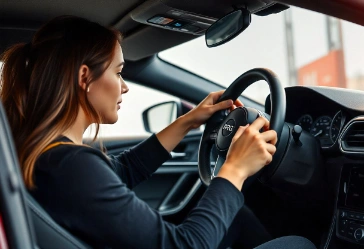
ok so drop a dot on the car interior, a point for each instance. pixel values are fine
(314, 187)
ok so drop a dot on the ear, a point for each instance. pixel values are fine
(83, 76)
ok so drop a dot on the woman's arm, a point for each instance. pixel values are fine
(174, 133)
(140, 162)
(89, 200)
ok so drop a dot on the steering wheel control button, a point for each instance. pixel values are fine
(213, 136)
(228, 127)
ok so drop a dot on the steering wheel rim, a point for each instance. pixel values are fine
(214, 124)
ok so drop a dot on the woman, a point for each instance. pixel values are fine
(68, 78)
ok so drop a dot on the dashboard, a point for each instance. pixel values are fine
(322, 111)
(329, 159)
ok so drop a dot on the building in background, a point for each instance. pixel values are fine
(328, 70)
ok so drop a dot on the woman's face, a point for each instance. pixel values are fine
(105, 93)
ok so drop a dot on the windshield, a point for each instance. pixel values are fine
(302, 47)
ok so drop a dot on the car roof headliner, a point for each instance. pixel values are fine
(19, 19)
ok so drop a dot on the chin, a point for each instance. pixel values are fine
(110, 120)
(114, 119)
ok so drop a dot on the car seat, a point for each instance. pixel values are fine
(37, 226)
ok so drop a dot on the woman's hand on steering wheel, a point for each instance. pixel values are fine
(249, 152)
(207, 107)
(220, 130)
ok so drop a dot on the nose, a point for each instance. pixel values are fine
(124, 87)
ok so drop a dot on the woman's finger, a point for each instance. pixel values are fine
(259, 123)
(232, 108)
(271, 148)
(216, 95)
(239, 132)
(222, 105)
(270, 136)
(269, 160)
(238, 103)
(275, 139)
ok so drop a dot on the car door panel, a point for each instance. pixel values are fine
(175, 183)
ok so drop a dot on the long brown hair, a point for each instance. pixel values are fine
(39, 84)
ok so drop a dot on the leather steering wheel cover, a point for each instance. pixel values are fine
(204, 162)
(278, 112)
(278, 95)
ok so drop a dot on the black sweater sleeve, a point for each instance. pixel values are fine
(89, 199)
(138, 163)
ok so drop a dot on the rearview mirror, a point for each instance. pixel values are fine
(228, 27)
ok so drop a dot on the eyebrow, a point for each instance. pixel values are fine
(121, 64)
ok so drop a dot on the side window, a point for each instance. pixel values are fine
(130, 122)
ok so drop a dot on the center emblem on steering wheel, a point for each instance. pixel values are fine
(228, 127)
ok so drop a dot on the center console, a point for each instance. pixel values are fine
(350, 205)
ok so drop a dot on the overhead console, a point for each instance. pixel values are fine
(194, 17)
(181, 21)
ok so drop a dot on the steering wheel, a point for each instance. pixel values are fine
(221, 127)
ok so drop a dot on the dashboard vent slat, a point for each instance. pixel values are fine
(353, 137)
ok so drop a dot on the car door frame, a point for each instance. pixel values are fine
(16, 221)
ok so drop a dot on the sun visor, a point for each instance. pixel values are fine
(144, 43)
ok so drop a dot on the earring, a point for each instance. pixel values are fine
(88, 89)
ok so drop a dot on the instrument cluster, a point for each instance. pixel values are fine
(325, 128)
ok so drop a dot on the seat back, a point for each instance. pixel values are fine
(34, 228)
(48, 233)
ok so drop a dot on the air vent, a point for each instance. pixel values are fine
(352, 139)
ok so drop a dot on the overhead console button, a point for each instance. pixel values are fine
(175, 13)
(177, 24)
(161, 20)
(190, 28)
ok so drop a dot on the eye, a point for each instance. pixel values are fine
(120, 74)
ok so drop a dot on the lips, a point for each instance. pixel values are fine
(118, 104)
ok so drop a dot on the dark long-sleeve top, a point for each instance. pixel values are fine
(89, 194)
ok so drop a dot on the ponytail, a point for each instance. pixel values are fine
(14, 84)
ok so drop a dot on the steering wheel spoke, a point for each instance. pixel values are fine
(213, 136)
(218, 164)
(210, 135)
